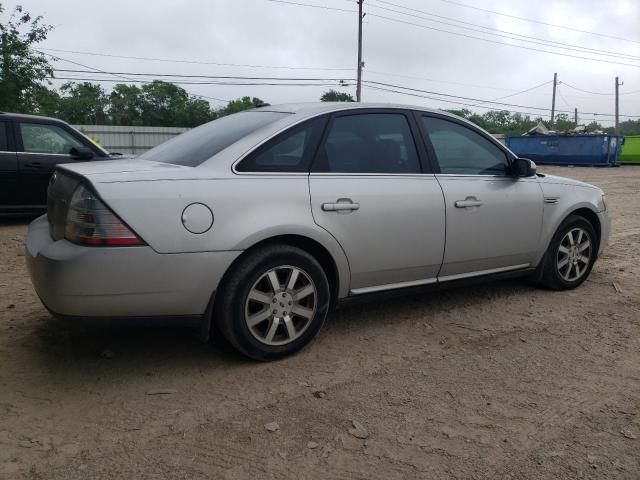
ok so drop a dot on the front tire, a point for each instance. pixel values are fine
(571, 254)
(273, 302)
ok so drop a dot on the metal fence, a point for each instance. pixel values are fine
(134, 140)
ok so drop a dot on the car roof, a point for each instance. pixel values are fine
(315, 108)
(24, 116)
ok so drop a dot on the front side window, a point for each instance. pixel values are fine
(462, 151)
(4, 144)
(369, 143)
(289, 152)
(41, 138)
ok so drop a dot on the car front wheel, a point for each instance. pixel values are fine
(273, 303)
(571, 254)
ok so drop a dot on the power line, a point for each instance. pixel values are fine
(509, 35)
(517, 93)
(195, 62)
(538, 21)
(324, 7)
(453, 102)
(501, 43)
(482, 100)
(597, 93)
(181, 82)
(232, 77)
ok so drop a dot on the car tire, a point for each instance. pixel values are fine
(266, 313)
(571, 254)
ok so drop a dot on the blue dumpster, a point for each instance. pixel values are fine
(600, 150)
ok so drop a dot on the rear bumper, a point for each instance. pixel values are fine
(115, 282)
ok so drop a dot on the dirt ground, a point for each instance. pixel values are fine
(501, 381)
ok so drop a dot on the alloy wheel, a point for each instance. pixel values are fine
(281, 305)
(574, 254)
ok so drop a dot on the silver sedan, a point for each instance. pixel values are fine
(255, 225)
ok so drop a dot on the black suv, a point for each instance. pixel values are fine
(30, 149)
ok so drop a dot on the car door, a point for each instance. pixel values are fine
(41, 146)
(10, 194)
(493, 219)
(369, 191)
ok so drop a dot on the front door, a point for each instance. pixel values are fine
(368, 190)
(43, 146)
(494, 221)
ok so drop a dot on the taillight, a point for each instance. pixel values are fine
(90, 222)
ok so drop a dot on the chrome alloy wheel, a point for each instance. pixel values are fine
(574, 254)
(280, 305)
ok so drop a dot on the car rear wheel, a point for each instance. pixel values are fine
(571, 254)
(273, 302)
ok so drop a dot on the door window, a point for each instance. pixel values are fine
(289, 152)
(369, 143)
(4, 144)
(462, 151)
(41, 138)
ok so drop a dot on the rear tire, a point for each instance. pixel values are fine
(571, 254)
(273, 302)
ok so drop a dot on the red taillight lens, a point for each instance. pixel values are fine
(90, 222)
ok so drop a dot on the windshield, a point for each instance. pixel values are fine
(195, 146)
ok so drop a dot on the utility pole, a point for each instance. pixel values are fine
(618, 85)
(575, 116)
(359, 84)
(553, 101)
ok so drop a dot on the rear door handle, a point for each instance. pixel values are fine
(341, 205)
(468, 202)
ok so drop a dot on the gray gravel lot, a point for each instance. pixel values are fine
(491, 382)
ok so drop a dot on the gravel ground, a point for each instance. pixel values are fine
(492, 382)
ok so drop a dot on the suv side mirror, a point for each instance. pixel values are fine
(522, 167)
(81, 153)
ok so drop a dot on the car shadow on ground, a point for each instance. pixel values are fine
(133, 351)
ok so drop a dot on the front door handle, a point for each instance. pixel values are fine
(468, 202)
(341, 205)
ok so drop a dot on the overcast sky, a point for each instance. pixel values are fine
(263, 32)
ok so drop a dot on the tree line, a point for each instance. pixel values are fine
(25, 87)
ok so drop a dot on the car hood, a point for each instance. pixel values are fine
(553, 179)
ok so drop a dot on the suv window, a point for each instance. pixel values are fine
(462, 151)
(4, 144)
(288, 152)
(369, 143)
(42, 138)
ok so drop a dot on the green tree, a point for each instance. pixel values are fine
(240, 104)
(22, 68)
(125, 105)
(83, 103)
(335, 96)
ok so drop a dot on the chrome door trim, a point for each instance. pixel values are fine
(393, 286)
(479, 273)
(49, 154)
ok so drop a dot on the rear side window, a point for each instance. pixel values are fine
(288, 152)
(462, 151)
(369, 143)
(44, 138)
(200, 144)
(4, 143)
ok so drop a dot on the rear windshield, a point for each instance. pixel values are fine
(197, 145)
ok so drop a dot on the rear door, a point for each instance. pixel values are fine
(493, 219)
(369, 191)
(41, 146)
(10, 197)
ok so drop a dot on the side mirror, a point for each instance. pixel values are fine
(81, 153)
(522, 167)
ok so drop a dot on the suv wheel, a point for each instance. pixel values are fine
(273, 303)
(571, 254)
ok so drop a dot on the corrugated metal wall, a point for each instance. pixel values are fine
(134, 140)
